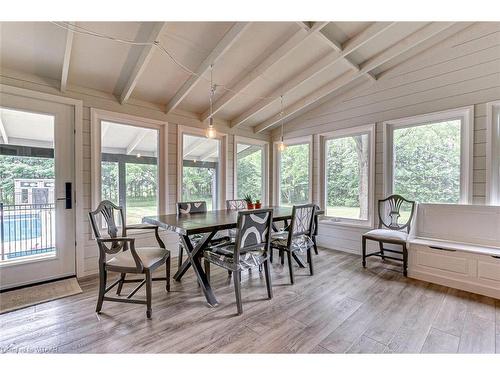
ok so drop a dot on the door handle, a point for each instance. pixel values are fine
(68, 198)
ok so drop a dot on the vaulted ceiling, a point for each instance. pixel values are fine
(254, 63)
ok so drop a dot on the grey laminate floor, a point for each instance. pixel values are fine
(342, 308)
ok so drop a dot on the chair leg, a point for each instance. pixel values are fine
(310, 261)
(282, 257)
(363, 247)
(148, 294)
(381, 247)
(102, 287)
(207, 269)
(315, 246)
(179, 261)
(120, 284)
(237, 291)
(267, 274)
(290, 266)
(405, 261)
(167, 273)
(271, 255)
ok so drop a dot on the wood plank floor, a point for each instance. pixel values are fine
(342, 308)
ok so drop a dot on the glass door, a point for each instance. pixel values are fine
(37, 230)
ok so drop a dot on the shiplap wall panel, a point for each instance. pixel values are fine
(462, 70)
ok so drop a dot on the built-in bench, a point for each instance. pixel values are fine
(457, 246)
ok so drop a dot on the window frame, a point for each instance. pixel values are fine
(343, 133)
(277, 162)
(492, 149)
(99, 115)
(199, 132)
(265, 165)
(465, 114)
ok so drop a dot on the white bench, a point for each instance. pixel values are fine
(457, 246)
(458, 265)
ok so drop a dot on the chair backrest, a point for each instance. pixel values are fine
(191, 207)
(254, 230)
(394, 209)
(302, 220)
(236, 204)
(107, 210)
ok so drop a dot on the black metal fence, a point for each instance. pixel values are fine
(26, 229)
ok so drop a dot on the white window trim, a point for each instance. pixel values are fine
(98, 115)
(492, 149)
(466, 114)
(265, 165)
(181, 130)
(276, 167)
(341, 133)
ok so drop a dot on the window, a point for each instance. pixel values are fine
(493, 153)
(428, 157)
(348, 170)
(294, 172)
(129, 169)
(128, 163)
(251, 169)
(201, 172)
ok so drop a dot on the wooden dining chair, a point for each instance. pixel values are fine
(390, 230)
(250, 250)
(236, 204)
(298, 238)
(126, 258)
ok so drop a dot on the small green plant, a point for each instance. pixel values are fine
(248, 198)
(257, 201)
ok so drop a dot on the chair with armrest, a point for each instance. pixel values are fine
(390, 230)
(249, 250)
(126, 258)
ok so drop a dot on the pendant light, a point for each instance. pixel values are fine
(281, 145)
(211, 130)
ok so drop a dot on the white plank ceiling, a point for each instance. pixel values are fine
(254, 63)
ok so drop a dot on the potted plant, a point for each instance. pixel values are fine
(258, 204)
(248, 199)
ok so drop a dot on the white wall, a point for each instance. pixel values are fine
(460, 71)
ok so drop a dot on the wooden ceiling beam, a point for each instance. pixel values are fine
(397, 49)
(67, 58)
(142, 61)
(348, 47)
(277, 54)
(224, 44)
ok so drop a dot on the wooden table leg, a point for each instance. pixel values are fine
(194, 260)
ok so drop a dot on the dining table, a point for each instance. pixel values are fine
(207, 225)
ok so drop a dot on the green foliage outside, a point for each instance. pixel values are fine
(249, 175)
(13, 167)
(198, 184)
(294, 175)
(345, 187)
(427, 162)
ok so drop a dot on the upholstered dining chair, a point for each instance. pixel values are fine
(236, 204)
(298, 238)
(249, 250)
(125, 257)
(391, 230)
